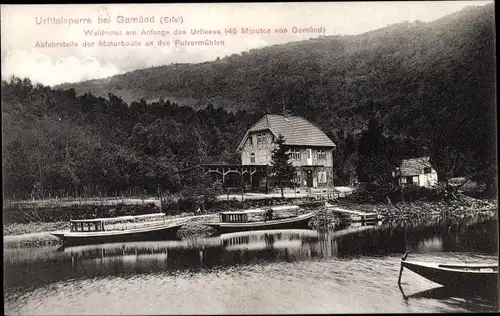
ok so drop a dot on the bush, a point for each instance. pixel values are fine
(416, 193)
(46, 214)
(409, 193)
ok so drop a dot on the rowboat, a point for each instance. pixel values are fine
(250, 220)
(474, 277)
(355, 216)
(118, 229)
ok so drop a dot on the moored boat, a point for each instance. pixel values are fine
(466, 276)
(252, 220)
(119, 229)
(356, 216)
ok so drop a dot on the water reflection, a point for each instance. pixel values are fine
(359, 252)
(48, 264)
(482, 302)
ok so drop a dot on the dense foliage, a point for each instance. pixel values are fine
(401, 72)
(430, 85)
(377, 156)
(57, 144)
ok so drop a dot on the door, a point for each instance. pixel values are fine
(309, 178)
(409, 180)
(309, 157)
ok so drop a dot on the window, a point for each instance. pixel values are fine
(252, 158)
(309, 154)
(427, 170)
(295, 154)
(262, 138)
(415, 179)
(321, 155)
(403, 180)
(250, 139)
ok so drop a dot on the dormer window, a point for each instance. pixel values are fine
(262, 138)
(252, 158)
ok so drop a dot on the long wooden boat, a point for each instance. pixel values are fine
(119, 229)
(473, 276)
(239, 221)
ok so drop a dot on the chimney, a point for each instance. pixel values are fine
(284, 111)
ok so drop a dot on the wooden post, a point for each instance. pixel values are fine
(267, 188)
(242, 189)
(402, 195)
(401, 270)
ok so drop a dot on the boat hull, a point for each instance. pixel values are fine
(299, 222)
(452, 276)
(145, 234)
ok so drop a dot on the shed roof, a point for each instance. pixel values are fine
(296, 130)
(414, 166)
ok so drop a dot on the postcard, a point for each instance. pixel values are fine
(249, 158)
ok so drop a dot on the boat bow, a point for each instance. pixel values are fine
(476, 277)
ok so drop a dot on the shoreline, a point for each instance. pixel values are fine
(37, 234)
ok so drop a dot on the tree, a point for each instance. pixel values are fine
(376, 158)
(200, 188)
(343, 156)
(281, 168)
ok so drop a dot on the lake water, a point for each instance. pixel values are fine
(350, 270)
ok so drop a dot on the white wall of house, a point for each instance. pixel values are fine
(428, 179)
(422, 180)
(257, 149)
(299, 156)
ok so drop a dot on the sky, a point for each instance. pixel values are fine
(25, 29)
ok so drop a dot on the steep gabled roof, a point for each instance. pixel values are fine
(414, 166)
(296, 130)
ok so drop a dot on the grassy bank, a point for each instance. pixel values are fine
(35, 233)
(35, 227)
(196, 227)
(463, 205)
(16, 213)
(39, 239)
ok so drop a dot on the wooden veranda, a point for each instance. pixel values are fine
(240, 175)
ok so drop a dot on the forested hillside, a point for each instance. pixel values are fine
(57, 143)
(397, 68)
(431, 85)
